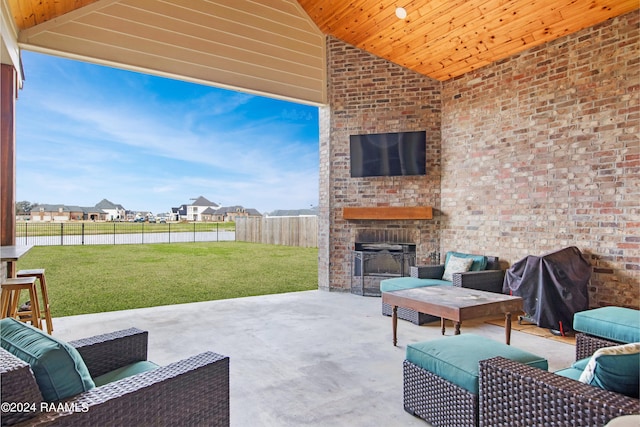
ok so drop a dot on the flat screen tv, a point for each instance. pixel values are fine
(388, 154)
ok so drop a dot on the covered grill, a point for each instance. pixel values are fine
(553, 286)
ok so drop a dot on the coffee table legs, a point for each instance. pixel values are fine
(394, 323)
(456, 326)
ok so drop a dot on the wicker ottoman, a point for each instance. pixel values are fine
(441, 377)
(605, 327)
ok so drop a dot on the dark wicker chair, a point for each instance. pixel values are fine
(490, 279)
(193, 391)
(513, 394)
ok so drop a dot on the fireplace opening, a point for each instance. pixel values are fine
(374, 262)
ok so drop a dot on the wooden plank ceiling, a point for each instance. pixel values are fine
(27, 14)
(438, 38)
(446, 38)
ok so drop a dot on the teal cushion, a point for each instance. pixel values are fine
(58, 367)
(618, 373)
(572, 373)
(575, 370)
(618, 324)
(400, 283)
(479, 261)
(457, 358)
(615, 368)
(124, 372)
(581, 364)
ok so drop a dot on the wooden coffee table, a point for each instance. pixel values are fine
(453, 303)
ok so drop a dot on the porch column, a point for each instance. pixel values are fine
(8, 94)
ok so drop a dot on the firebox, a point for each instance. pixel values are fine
(374, 262)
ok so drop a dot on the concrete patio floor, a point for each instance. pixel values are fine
(309, 358)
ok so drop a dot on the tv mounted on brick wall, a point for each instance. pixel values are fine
(388, 154)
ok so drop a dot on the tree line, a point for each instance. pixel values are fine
(25, 207)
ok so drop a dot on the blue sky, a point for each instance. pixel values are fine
(86, 132)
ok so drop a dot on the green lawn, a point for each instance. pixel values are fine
(93, 279)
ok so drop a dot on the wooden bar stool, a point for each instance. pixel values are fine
(38, 273)
(10, 299)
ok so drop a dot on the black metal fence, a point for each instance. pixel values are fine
(119, 233)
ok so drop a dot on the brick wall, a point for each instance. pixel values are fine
(538, 152)
(541, 151)
(370, 95)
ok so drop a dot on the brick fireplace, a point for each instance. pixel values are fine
(406, 101)
(386, 249)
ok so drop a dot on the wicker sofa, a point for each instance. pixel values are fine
(193, 391)
(490, 279)
(512, 388)
(513, 394)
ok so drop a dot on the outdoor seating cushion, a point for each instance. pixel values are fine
(399, 283)
(615, 368)
(618, 324)
(570, 372)
(456, 359)
(479, 261)
(124, 372)
(575, 370)
(58, 368)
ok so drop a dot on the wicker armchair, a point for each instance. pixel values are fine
(513, 394)
(193, 391)
(490, 279)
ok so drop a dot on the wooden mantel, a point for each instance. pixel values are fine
(388, 212)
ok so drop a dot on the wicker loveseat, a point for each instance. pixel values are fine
(193, 391)
(514, 394)
(490, 278)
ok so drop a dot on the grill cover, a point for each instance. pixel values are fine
(553, 287)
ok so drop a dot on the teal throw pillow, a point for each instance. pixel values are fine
(615, 368)
(479, 261)
(58, 367)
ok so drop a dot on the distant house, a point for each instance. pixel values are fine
(94, 214)
(194, 211)
(49, 213)
(130, 215)
(179, 214)
(209, 215)
(205, 211)
(230, 213)
(114, 212)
